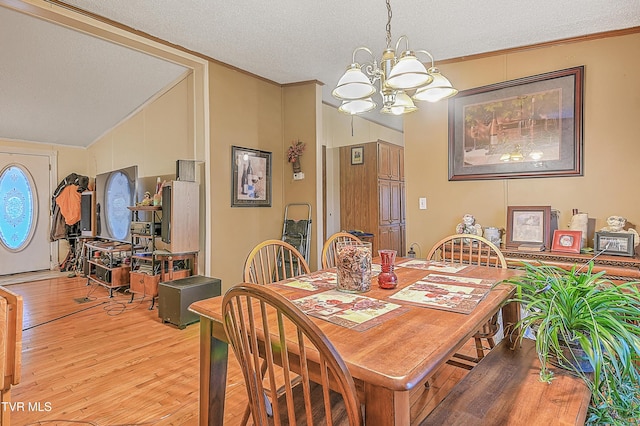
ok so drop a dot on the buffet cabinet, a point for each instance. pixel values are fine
(372, 196)
(617, 268)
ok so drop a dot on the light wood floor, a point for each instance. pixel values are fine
(107, 362)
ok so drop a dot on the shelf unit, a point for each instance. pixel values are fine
(108, 263)
(144, 274)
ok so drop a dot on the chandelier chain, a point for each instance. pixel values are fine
(388, 24)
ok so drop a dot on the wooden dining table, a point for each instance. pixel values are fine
(388, 356)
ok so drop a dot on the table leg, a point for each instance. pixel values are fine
(213, 375)
(386, 407)
(510, 316)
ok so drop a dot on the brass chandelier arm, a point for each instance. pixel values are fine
(428, 54)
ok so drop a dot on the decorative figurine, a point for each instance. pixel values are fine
(616, 224)
(147, 201)
(469, 226)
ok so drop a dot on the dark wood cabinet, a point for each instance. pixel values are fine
(372, 194)
(390, 161)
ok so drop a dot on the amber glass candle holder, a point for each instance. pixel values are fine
(387, 278)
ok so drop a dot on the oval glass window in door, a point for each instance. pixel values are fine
(18, 209)
(117, 199)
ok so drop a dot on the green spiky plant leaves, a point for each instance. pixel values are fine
(601, 318)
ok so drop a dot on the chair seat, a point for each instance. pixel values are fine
(338, 409)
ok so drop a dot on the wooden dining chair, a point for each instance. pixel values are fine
(262, 325)
(273, 260)
(11, 306)
(329, 255)
(472, 250)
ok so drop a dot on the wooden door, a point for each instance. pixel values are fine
(389, 238)
(395, 207)
(384, 161)
(395, 238)
(395, 153)
(385, 202)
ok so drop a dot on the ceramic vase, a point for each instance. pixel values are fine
(387, 278)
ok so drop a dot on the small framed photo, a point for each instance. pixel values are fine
(528, 226)
(357, 155)
(614, 243)
(566, 241)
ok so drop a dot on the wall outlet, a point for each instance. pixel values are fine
(298, 176)
(423, 203)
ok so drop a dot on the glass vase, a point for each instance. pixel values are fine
(387, 278)
(354, 266)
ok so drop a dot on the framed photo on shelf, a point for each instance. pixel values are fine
(525, 128)
(566, 241)
(614, 243)
(250, 177)
(357, 155)
(528, 227)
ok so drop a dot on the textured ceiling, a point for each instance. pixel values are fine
(291, 40)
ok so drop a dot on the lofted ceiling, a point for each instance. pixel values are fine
(65, 87)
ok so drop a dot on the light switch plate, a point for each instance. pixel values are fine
(423, 203)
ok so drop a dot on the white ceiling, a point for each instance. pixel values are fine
(60, 86)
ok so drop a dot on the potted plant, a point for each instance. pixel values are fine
(578, 309)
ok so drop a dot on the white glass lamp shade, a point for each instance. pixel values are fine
(353, 84)
(402, 105)
(408, 73)
(440, 88)
(357, 106)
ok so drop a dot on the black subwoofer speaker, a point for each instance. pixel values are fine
(174, 298)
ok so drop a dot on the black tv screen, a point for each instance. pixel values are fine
(115, 192)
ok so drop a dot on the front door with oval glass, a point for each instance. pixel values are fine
(24, 213)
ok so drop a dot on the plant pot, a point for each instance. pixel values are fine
(573, 358)
(296, 166)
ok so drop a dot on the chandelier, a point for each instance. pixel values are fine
(397, 79)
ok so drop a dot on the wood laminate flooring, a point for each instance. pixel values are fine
(94, 360)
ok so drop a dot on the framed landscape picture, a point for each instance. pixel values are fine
(525, 128)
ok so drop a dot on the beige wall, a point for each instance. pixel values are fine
(153, 138)
(300, 104)
(245, 112)
(611, 148)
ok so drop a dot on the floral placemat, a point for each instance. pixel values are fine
(350, 310)
(321, 280)
(433, 265)
(450, 293)
(313, 282)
